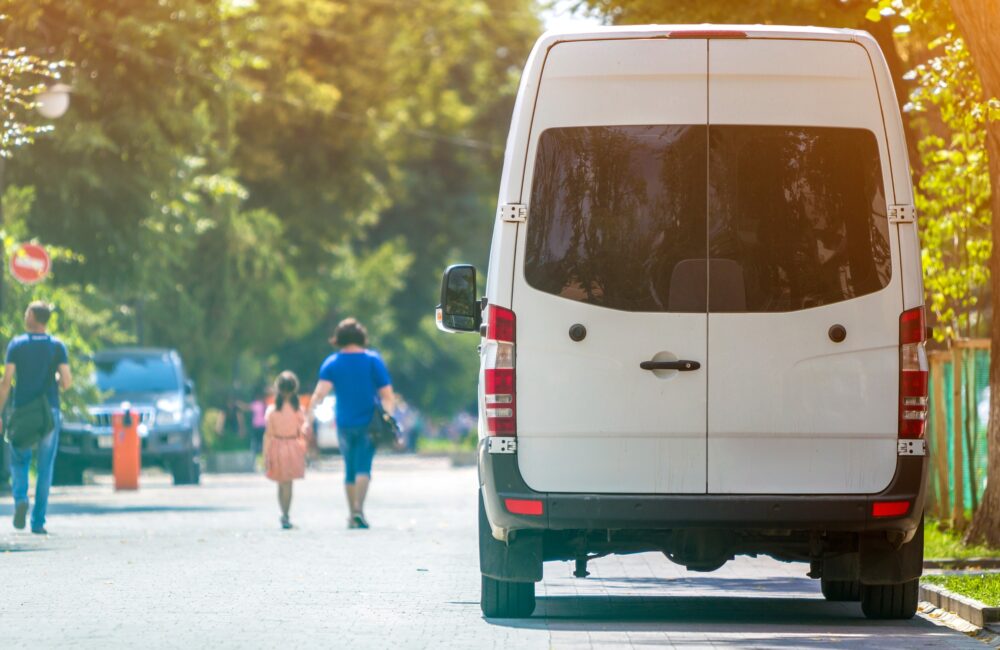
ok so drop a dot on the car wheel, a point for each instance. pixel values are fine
(841, 590)
(502, 599)
(67, 471)
(898, 601)
(187, 471)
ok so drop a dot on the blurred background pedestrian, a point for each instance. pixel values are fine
(285, 441)
(359, 377)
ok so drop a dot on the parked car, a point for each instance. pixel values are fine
(702, 330)
(152, 382)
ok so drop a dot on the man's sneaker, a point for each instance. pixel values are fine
(39, 531)
(20, 515)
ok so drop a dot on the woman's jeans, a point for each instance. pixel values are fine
(358, 451)
(20, 460)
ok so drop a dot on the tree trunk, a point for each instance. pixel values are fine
(979, 23)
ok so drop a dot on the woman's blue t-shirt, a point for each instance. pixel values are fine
(356, 378)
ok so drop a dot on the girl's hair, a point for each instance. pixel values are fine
(287, 387)
(349, 331)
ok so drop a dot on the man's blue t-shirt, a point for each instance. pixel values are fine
(356, 378)
(34, 355)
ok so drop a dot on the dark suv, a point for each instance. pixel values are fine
(152, 382)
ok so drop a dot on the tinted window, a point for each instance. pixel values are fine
(137, 375)
(798, 213)
(618, 217)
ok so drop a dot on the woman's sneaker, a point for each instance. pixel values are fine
(20, 515)
(360, 521)
(286, 523)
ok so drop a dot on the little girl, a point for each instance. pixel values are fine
(284, 442)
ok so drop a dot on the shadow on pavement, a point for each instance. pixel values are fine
(780, 618)
(776, 586)
(101, 509)
(7, 547)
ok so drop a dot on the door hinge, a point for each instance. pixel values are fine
(514, 212)
(501, 445)
(902, 214)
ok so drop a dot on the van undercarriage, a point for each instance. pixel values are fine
(846, 545)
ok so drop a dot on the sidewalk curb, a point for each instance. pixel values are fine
(965, 563)
(971, 610)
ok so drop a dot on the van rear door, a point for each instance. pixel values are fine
(615, 241)
(799, 183)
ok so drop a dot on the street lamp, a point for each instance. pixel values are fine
(52, 103)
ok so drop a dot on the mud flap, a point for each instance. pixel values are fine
(881, 564)
(518, 560)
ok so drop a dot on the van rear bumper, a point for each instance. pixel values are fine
(501, 479)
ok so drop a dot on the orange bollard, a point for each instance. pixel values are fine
(126, 458)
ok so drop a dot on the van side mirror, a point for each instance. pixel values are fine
(459, 309)
(188, 387)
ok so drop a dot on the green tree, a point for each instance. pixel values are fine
(236, 166)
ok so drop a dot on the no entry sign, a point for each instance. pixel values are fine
(30, 263)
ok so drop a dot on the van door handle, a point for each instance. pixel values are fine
(681, 364)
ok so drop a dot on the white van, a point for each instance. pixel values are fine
(703, 323)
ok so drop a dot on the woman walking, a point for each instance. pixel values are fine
(358, 376)
(285, 441)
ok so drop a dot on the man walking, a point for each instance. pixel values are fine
(33, 359)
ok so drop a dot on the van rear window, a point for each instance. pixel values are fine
(614, 211)
(801, 212)
(755, 218)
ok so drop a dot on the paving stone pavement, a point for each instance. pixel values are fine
(208, 566)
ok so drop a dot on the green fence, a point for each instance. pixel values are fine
(959, 411)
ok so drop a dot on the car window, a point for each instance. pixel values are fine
(798, 214)
(140, 374)
(617, 216)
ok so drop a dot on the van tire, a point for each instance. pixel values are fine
(501, 599)
(841, 590)
(898, 601)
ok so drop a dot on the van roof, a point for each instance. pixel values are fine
(552, 37)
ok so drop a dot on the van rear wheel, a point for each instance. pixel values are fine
(841, 590)
(501, 599)
(897, 601)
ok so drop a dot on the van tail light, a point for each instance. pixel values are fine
(912, 374)
(890, 508)
(500, 390)
(533, 507)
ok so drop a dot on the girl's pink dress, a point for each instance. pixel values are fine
(286, 451)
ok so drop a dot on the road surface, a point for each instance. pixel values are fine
(208, 566)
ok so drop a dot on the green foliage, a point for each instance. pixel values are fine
(240, 175)
(953, 187)
(984, 587)
(23, 77)
(941, 542)
(79, 320)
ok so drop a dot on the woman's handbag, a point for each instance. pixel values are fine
(33, 420)
(383, 430)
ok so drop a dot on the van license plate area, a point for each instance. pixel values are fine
(501, 445)
(912, 448)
